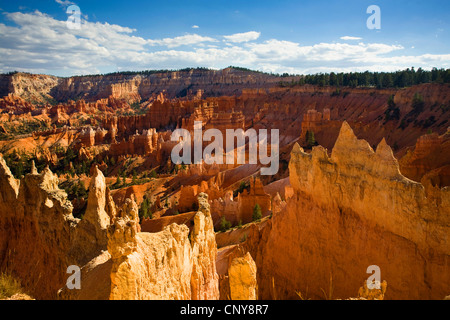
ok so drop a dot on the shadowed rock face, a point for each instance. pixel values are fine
(428, 161)
(349, 211)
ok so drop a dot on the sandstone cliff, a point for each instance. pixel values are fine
(349, 211)
(428, 160)
(33, 87)
(133, 86)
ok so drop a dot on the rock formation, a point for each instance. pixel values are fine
(237, 248)
(134, 86)
(326, 215)
(174, 263)
(242, 278)
(349, 211)
(170, 264)
(376, 293)
(430, 158)
(40, 238)
(241, 209)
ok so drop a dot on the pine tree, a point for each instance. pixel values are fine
(256, 213)
(224, 224)
(145, 209)
(81, 191)
(310, 139)
(124, 181)
(417, 103)
(387, 81)
(134, 181)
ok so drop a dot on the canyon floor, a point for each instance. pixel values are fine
(87, 182)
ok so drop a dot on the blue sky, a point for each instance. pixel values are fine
(275, 36)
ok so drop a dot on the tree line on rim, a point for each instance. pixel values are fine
(397, 79)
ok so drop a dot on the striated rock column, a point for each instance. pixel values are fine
(169, 265)
(242, 278)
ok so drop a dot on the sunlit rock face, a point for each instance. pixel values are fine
(171, 264)
(176, 263)
(348, 212)
(39, 237)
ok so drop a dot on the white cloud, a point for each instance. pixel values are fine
(186, 40)
(40, 43)
(243, 37)
(65, 3)
(195, 26)
(350, 38)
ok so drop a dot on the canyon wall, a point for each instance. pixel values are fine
(33, 87)
(293, 111)
(133, 86)
(348, 212)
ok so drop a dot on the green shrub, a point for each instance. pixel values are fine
(418, 103)
(224, 224)
(243, 186)
(392, 112)
(256, 213)
(145, 209)
(336, 93)
(310, 139)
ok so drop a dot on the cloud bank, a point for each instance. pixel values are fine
(39, 43)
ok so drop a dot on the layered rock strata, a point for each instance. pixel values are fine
(348, 212)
